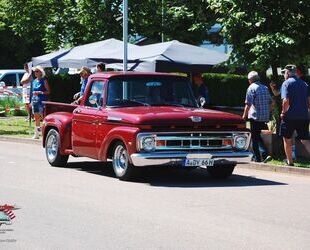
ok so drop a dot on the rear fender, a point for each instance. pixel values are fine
(63, 124)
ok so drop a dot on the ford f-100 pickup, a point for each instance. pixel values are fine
(144, 119)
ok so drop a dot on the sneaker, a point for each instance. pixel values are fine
(288, 164)
(268, 158)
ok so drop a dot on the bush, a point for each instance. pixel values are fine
(20, 113)
(12, 103)
(226, 89)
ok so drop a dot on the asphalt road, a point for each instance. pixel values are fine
(85, 207)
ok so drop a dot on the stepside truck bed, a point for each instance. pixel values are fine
(52, 107)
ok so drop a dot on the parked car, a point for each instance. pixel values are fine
(11, 77)
(144, 119)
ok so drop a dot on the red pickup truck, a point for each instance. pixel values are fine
(144, 119)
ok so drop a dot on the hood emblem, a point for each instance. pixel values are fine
(196, 118)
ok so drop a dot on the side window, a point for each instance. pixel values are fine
(9, 79)
(20, 76)
(95, 96)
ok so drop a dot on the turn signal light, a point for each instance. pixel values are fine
(227, 142)
(160, 143)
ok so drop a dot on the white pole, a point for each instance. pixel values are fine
(162, 21)
(125, 33)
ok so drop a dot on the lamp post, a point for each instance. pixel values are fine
(125, 33)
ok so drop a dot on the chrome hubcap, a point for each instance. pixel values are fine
(52, 147)
(120, 160)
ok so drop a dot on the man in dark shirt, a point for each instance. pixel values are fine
(201, 88)
(295, 95)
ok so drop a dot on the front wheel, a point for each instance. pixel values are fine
(221, 172)
(52, 150)
(121, 164)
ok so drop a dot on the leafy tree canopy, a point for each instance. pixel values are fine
(265, 32)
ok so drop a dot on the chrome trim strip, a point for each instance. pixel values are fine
(192, 147)
(176, 158)
(175, 138)
(113, 118)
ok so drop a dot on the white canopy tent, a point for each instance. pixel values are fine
(50, 59)
(92, 53)
(171, 56)
(84, 55)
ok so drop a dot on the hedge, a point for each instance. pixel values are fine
(226, 89)
(230, 90)
(63, 87)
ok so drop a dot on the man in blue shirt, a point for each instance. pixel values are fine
(257, 110)
(295, 95)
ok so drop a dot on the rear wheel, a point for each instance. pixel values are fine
(221, 172)
(122, 167)
(52, 150)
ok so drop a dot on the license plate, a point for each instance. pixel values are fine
(198, 162)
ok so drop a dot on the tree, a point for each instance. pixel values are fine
(264, 32)
(51, 24)
(15, 49)
(183, 20)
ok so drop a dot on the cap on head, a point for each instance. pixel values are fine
(253, 76)
(291, 68)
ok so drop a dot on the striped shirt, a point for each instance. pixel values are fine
(259, 100)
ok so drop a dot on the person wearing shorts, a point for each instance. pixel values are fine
(40, 90)
(295, 95)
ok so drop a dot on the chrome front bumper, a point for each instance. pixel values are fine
(177, 158)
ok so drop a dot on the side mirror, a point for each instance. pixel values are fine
(202, 101)
(93, 100)
(2, 84)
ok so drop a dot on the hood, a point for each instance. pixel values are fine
(168, 115)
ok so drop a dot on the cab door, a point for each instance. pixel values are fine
(85, 122)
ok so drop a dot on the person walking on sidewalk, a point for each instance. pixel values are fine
(257, 110)
(295, 94)
(40, 90)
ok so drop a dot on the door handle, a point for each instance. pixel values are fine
(77, 111)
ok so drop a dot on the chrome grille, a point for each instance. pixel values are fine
(194, 141)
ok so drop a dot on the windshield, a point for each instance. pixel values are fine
(150, 91)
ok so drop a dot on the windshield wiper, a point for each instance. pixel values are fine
(129, 102)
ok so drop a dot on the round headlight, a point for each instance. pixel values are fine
(148, 143)
(240, 142)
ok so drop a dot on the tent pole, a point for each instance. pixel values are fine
(125, 33)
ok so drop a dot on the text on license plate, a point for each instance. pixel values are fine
(198, 162)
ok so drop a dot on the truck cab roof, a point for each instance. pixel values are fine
(111, 74)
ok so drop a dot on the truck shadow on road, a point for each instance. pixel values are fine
(165, 177)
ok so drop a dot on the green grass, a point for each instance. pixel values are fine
(16, 126)
(299, 163)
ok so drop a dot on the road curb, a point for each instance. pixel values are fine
(21, 140)
(276, 168)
